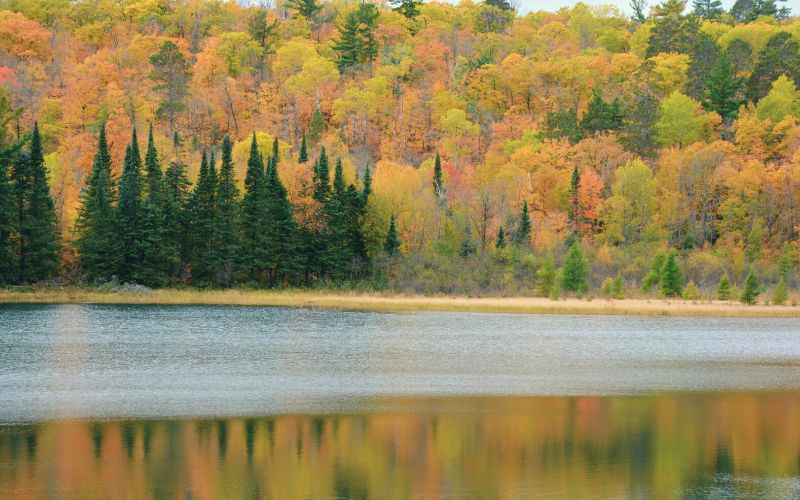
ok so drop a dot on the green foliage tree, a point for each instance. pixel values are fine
(638, 129)
(317, 127)
(672, 31)
(391, 244)
(722, 89)
(253, 217)
(176, 219)
(575, 273)
(601, 116)
(357, 43)
(780, 56)
(724, 287)
(781, 293)
(37, 225)
(302, 156)
(703, 60)
(752, 289)
(8, 150)
(547, 276)
(750, 10)
(501, 239)
(438, 181)
(522, 236)
(129, 217)
(202, 223)
(467, 245)
(708, 9)
(562, 124)
(409, 8)
(226, 217)
(671, 277)
(652, 279)
(306, 8)
(574, 201)
(171, 77)
(98, 241)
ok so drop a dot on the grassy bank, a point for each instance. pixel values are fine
(399, 303)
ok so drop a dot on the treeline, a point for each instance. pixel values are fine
(150, 228)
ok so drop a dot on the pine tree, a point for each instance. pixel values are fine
(38, 228)
(601, 116)
(574, 201)
(357, 43)
(302, 157)
(8, 150)
(306, 8)
(391, 244)
(438, 181)
(575, 274)
(226, 217)
(522, 236)
(780, 56)
(708, 9)
(501, 239)
(408, 8)
(722, 90)
(724, 287)
(671, 277)
(752, 289)
(702, 61)
(98, 241)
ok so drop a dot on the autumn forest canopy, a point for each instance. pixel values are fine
(416, 146)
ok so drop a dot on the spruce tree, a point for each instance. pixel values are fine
(438, 181)
(366, 190)
(338, 214)
(8, 150)
(752, 289)
(575, 274)
(281, 230)
(152, 267)
(253, 216)
(391, 244)
(467, 245)
(129, 227)
(98, 242)
(203, 211)
(322, 180)
(501, 239)
(547, 276)
(724, 287)
(226, 218)
(38, 227)
(522, 236)
(671, 277)
(408, 8)
(601, 116)
(302, 157)
(176, 219)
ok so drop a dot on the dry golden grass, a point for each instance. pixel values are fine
(401, 303)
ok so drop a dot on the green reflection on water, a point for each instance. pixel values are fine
(666, 446)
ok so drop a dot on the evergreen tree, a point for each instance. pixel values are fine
(653, 277)
(366, 190)
(322, 180)
(8, 150)
(153, 174)
(226, 220)
(601, 116)
(203, 210)
(152, 266)
(724, 288)
(357, 43)
(176, 218)
(671, 277)
(575, 274)
(501, 239)
(500, 4)
(339, 252)
(708, 9)
(780, 56)
(317, 127)
(672, 31)
(438, 181)
(703, 61)
(562, 124)
(574, 201)
(253, 216)
(98, 241)
(280, 229)
(392, 243)
(408, 8)
(639, 123)
(171, 76)
(302, 157)
(522, 236)
(130, 231)
(38, 228)
(722, 88)
(752, 289)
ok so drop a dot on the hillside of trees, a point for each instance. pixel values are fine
(423, 147)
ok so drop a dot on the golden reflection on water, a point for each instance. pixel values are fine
(690, 445)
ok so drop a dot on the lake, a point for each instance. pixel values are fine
(202, 402)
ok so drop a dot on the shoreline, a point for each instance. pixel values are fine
(386, 302)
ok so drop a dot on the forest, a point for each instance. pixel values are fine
(420, 147)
